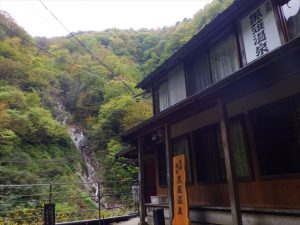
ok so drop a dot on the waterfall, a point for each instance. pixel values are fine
(88, 156)
(81, 143)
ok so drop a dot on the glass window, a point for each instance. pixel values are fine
(176, 85)
(224, 58)
(199, 74)
(277, 138)
(181, 146)
(239, 148)
(163, 96)
(209, 154)
(171, 91)
(291, 12)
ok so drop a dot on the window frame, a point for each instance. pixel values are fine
(203, 129)
(156, 94)
(229, 32)
(188, 64)
(283, 23)
(242, 120)
(291, 101)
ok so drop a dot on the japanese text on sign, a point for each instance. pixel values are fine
(179, 189)
(260, 33)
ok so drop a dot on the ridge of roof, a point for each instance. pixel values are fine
(195, 41)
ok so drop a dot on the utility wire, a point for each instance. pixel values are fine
(36, 161)
(44, 50)
(88, 50)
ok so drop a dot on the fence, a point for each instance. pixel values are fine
(32, 203)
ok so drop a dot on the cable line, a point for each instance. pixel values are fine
(44, 50)
(38, 161)
(88, 50)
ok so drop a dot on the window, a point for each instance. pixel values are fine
(181, 146)
(198, 74)
(224, 58)
(291, 12)
(172, 90)
(163, 96)
(210, 153)
(277, 138)
(176, 85)
(239, 148)
(162, 166)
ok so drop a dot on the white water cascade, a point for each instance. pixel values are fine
(87, 155)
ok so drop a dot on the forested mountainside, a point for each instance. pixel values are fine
(45, 90)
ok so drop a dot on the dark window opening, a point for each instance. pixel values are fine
(277, 138)
(162, 165)
(210, 153)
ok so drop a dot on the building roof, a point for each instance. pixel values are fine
(223, 20)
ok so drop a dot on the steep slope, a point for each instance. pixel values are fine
(34, 81)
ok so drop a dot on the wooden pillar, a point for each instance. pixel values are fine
(142, 208)
(169, 171)
(229, 162)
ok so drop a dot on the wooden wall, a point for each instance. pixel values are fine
(257, 192)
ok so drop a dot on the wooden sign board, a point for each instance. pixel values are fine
(181, 209)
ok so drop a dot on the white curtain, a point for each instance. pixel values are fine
(199, 74)
(163, 96)
(176, 85)
(224, 59)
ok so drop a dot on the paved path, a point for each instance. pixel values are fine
(133, 221)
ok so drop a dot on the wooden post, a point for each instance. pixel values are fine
(142, 208)
(169, 172)
(229, 162)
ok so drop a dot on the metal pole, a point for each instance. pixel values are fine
(99, 204)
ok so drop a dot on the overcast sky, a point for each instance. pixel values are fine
(97, 15)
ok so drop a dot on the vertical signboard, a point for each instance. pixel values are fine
(260, 32)
(49, 214)
(181, 210)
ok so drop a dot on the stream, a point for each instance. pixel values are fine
(82, 145)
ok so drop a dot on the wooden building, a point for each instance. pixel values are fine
(229, 99)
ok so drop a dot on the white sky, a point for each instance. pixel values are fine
(97, 15)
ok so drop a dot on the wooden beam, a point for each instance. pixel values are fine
(142, 209)
(229, 162)
(169, 171)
